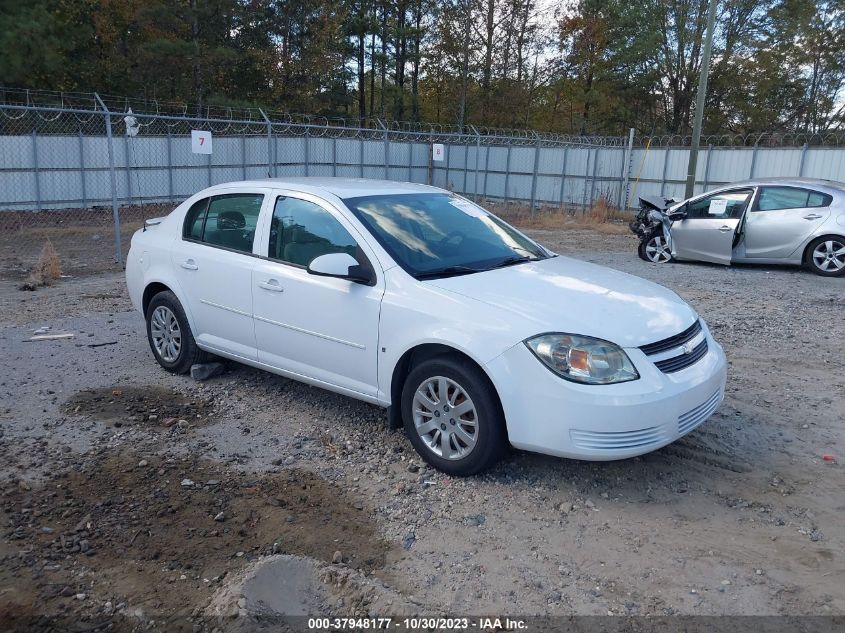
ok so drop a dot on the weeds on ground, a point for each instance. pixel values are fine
(47, 270)
(601, 217)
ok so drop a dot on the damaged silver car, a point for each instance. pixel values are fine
(771, 221)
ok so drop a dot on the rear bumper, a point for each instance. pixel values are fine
(547, 414)
(134, 278)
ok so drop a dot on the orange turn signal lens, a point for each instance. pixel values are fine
(579, 359)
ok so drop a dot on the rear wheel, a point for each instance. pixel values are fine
(170, 336)
(655, 249)
(452, 416)
(826, 256)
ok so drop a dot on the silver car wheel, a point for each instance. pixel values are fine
(657, 250)
(829, 256)
(166, 334)
(445, 418)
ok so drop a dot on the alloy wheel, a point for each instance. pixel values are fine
(829, 256)
(657, 250)
(166, 334)
(445, 418)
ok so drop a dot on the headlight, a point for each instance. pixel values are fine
(583, 359)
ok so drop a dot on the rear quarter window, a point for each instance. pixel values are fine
(817, 199)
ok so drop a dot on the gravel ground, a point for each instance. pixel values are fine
(142, 499)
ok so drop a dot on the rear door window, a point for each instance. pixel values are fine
(226, 221)
(194, 220)
(777, 198)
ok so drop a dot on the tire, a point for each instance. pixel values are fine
(825, 256)
(655, 240)
(476, 438)
(163, 311)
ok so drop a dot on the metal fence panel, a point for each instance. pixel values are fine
(777, 162)
(76, 175)
(825, 162)
(732, 164)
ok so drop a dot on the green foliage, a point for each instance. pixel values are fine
(592, 66)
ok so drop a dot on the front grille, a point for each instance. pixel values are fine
(616, 440)
(684, 360)
(692, 418)
(673, 341)
(684, 357)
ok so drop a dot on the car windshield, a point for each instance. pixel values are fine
(438, 234)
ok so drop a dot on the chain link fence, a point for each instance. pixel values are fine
(84, 170)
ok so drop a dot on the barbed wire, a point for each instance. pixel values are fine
(85, 108)
(758, 139)
(46, 104)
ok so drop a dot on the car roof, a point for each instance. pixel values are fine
(340, 187)
(786, 181)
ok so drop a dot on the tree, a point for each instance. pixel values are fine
(589, 67)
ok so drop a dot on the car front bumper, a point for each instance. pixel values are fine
(547, 414)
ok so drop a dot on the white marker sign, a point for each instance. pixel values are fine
(200, 142)
(438, 152)
(718, 206)
(468, 207)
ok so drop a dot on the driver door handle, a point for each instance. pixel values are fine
(189, 264)
(725, 229)
(272, 285)
(812, 216)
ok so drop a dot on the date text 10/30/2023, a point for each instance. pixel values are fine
(416, 623)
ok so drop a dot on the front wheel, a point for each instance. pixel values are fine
(452, 416)
(655, 249)
(826, 256)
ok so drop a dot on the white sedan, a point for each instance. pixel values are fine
(413, 298)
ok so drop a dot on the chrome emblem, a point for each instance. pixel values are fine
(687, 348)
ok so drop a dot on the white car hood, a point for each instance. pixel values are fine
(561, 294)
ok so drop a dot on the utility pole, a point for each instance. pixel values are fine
(699, 99)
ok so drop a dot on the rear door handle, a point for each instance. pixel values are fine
(271, 284)
(812, 216)
(189, 264)
(725, 229)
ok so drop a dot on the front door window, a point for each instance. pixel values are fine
(725, 205)
(302, 231)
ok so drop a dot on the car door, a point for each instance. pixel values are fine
(213, 263)
(781, 218)
(707, 233)
(322, 328)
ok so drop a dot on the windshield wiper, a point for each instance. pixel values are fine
(452, 271)
(510, 261)
(448, 271)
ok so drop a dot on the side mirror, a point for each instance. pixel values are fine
(678, 214)
(342, 266)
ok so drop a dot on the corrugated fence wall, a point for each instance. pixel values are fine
(61, 158)
(662, 170)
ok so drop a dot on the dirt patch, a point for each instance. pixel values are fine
(67, 298)
(267, 592)
(136, 537)
(585, 243)
(127, 405)
(83, 238)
